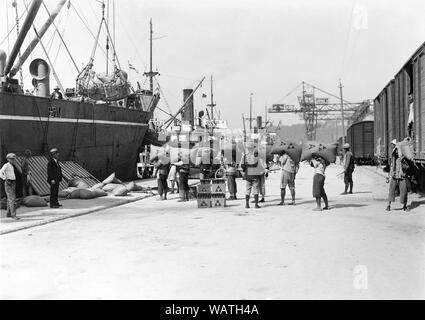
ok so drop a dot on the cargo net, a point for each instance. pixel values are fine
(101, 86)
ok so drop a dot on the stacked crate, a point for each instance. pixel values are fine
(204, 193)
(218, 193)
(212, 193)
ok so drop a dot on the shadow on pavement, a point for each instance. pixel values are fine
(358, 192)
(416, 204)
(348, 205)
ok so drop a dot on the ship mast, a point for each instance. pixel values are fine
(151, 73)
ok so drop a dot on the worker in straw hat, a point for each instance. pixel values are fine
(7, 173)
(54, 177)
(348, 164)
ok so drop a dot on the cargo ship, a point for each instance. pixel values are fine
(98, 124)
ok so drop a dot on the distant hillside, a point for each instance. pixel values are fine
(326, 132)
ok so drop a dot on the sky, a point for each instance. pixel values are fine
(263, 47)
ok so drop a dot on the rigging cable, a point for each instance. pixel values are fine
(15, 4)
(61, 36)
(11, 30)
(7, 26)
(350, 27)
(87, 27)
(163, 96)
(290, 92)
(63, 41)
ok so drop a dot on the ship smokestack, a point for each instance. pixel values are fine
(40, 70)
(188, 113)
(36, 40)
(2, 61)
(32, 12)
(259, 122)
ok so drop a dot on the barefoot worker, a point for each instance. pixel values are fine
(319, 164)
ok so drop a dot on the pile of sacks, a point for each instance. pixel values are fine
(78, 189)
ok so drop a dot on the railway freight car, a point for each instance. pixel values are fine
(399, 112)
(360, 138)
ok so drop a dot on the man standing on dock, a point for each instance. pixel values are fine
(7, 173)
(289, 170)
(54, 177)
(348, 163)
(253, 167)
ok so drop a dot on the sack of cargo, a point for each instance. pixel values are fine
(63, 194)
(308, 148)
(294, 150)
(130, 186)
(120, 191)
(111, 179)
(34, 201)
(99, 193)
(137, 187)
(327, 152)
(231, 171)
(75, 194)
(87, 194)
(69, 190)
(177, 154)
(77, 183)
(157, 152)
(406, 148)
(97, 186)
(110, 187)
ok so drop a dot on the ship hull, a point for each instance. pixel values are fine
(101, 138)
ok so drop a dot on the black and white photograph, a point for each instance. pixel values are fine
(212, 150)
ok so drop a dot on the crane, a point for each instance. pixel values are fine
(313, 109)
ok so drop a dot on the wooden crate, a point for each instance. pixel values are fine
(204, 188)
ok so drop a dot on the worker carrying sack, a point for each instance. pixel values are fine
(294, 150)
(323, 150)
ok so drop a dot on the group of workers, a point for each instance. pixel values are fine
(254, 168)
(255, 171)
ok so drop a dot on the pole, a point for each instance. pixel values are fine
(151, 73)
(244, 133)
(150, 58)
(250, 111)
(212, 101)
(342, 112)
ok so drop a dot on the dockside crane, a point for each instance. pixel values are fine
(313, 109)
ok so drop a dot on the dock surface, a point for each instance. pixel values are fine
(152, 249)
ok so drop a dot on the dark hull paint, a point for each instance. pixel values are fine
(103, 139)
